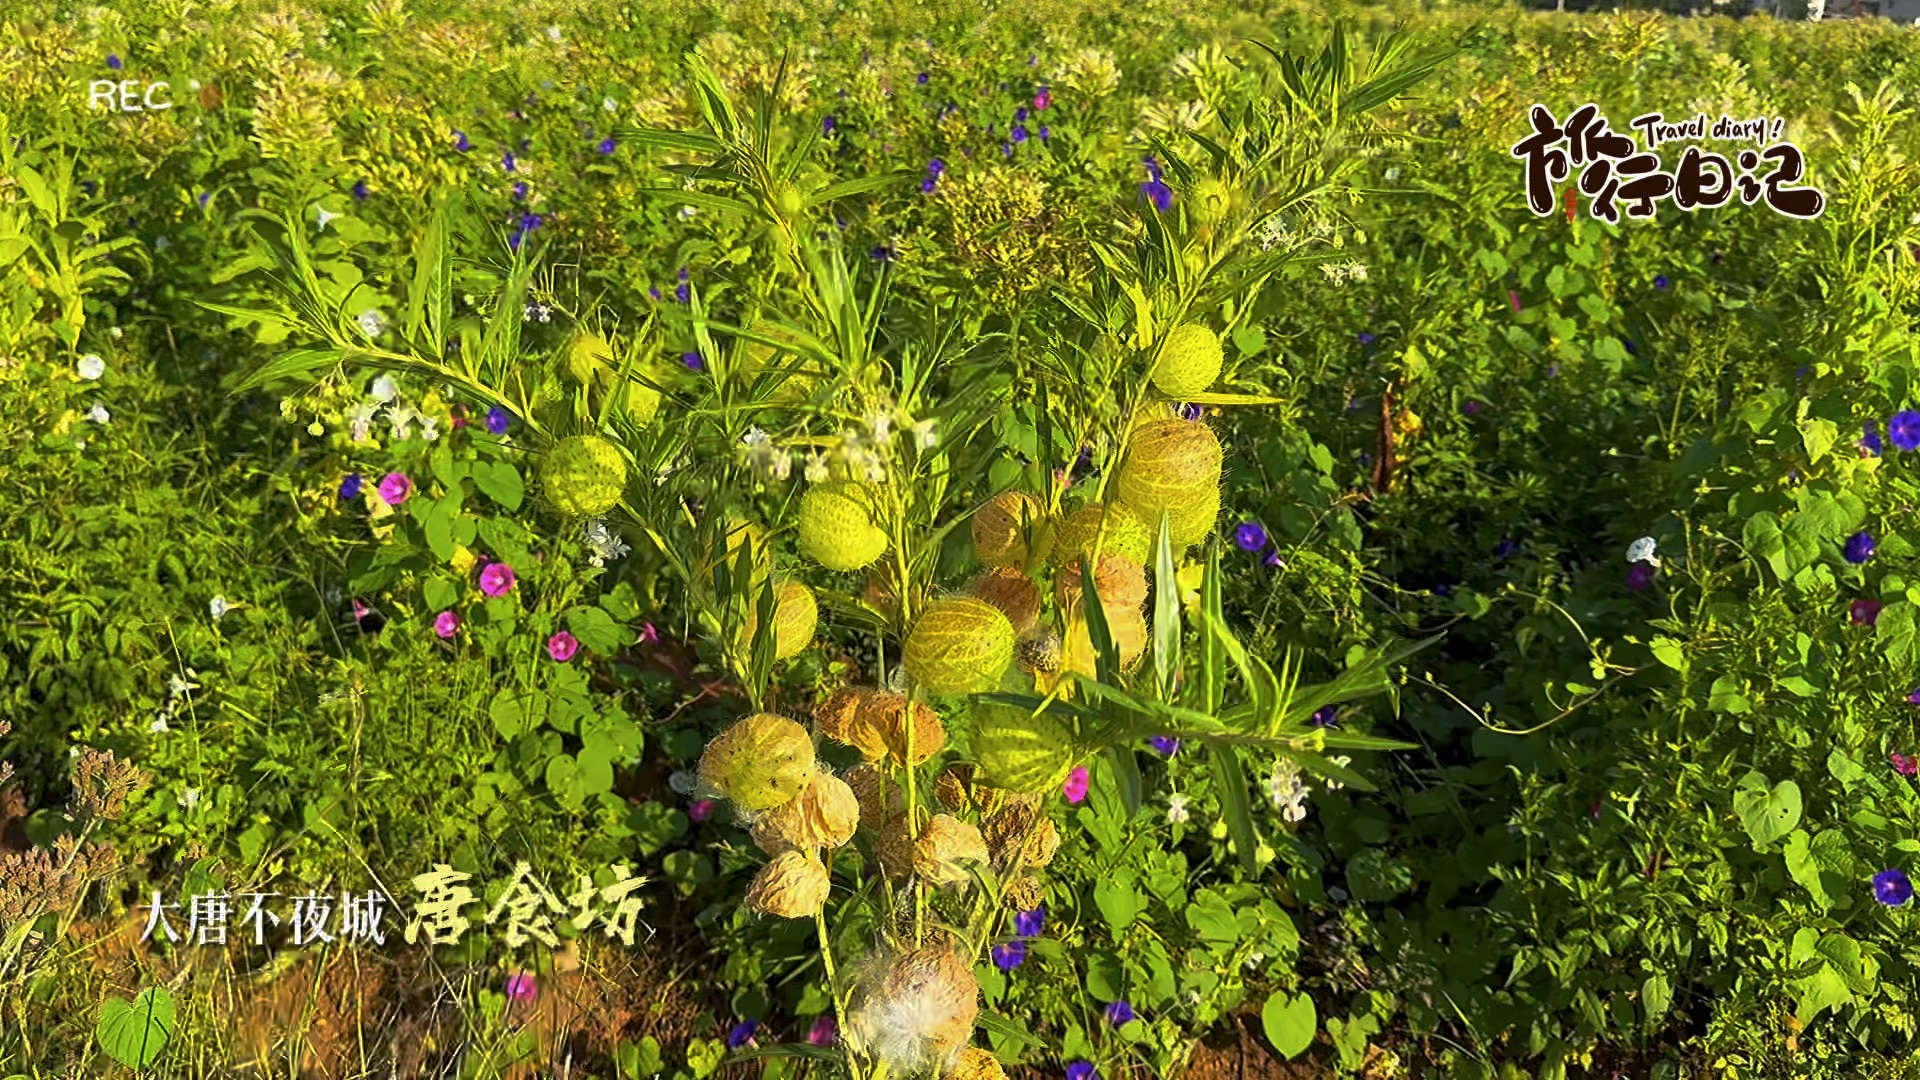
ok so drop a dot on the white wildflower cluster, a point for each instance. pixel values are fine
(1177, 809)
(1160, 117)
(1341, 273)
(178, 691)
(1343, 761)
(765, 457)
(602, 545)
(1288, 791)
(1279, 231)
(401, 417)
(536, 312)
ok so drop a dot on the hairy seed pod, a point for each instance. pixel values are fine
(959, 646)
(834, 718)
(1023, 895)
(894, 847)
(877, 796)
(583, 476)
(1171, 465)
(882, 722)
(954, 787)
(1020, 837)
(1128, 535)
(1013, 592)
(1010, 527)
(1189, 361)
(944, 848)
(1193, 524)
(974, 1063)
(837, 528)
(793, 886)
(759, 762)
(920, 1013)
(824, 815)
(795, 616)
(1019, 752)
(589, 359)
(1120, 583)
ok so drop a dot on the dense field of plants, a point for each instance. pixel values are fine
(1078, 539)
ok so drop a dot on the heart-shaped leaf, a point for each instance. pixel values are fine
(1768, 815)
(1290, 1022)
(134, 1032)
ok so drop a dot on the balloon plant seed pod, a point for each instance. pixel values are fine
(954, 787)
(1190, 525)
(1130, 638)
(1171, 465)
(760, 762)
(1019, 752)
(589, 359)
(1120, 583)
(917, 1011)
(1128, 534)
(1011, 529)
(583, 476)
(824, 815)
(974, 1063)
(1189, 362)
(793, 886)
(944, 849)
(796, 615)
(1019, 836)
(837, 527)
(893, 846)
(878, 798)
(1013, 593)
(886, 718)
(959, 646)
(1023, 894)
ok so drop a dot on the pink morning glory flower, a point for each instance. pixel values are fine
(496, 579)
(700, 809)
(1075, 789)
(446, 624)
(823, 1032)
(521, 987)
(395, 487)
(562, 646)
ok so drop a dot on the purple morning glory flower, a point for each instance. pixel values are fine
(1020, 115)
(1273, 560)
(360, 191)
(1028, 923)
(882, 254)
(694, 361)
(1904, 429)
(1661, 282)
(927, 185)
(921, 78)
(936, 167)
(497, 420)
(1009, 956)
(1159, 194)
(1167, 745)
(1020, 133)
(1639, 576)
(682, 293)
(1250, 536)
(1913, 696)
(113, 61)
(742, 1034)
(1190, 411)
(1859, 548)
(1505, 549)
(460, 142)
(204, 196)
(683, 273)
(1631, 351)
(1892, 888)
(506, 161)
(654, 292)
(1324, 716)
(1119, 1012)
(520, 191)
(1864, 611)
(826, 126)
(1366, 339)
(1082, 1070)
(1470, 407)
(350, 487)
(1870, 444)
(1043, 133)
(606, 145)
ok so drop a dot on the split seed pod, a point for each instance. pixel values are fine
(921, 1012)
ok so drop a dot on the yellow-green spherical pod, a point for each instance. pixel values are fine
(1190, 361)
(1171, 465)
(1011, 526)
(1016, 751)
(589, 357)
(959, 646)
(760, 762)
(836, 526)
(1128, 535)
(1191, 525)
(638, 402)
(583, 476)
(796, 614)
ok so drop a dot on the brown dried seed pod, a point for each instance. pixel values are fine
(1003, 527)
(793, 886)
(1023, 895)
(954, 787)
(1120, 583)
(1021, 837)
(886, 716)
(1013, 592)
(945, 846)
(834, 717)
(975, 1064)
(878, 797)
(824, 815)
(894, 848)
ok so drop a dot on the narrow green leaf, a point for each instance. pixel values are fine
(1166, 615)
(1230, 783)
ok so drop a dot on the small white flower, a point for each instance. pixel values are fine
(217, 606)
(782, 466)
(1641, 550)
(876, 472)
(688, 211)
(402, 418)
(1393, 174)
(1343, 761)
(1176, 809)
(360, 419)
(90, 367)
(1295, 812)
(429, 428)
(609, 104)
(384, 390)
(881, 423)
(1255, 959)
(755, 438)
(372, 323)
(189, 797)
(602, 545)
(553, 33)
(161, 243)
(193, 84)
(116, 333)
(159, 724)
(323, 216)
(816, 471)
(178, 687)
(99, 414)
(924, 435)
